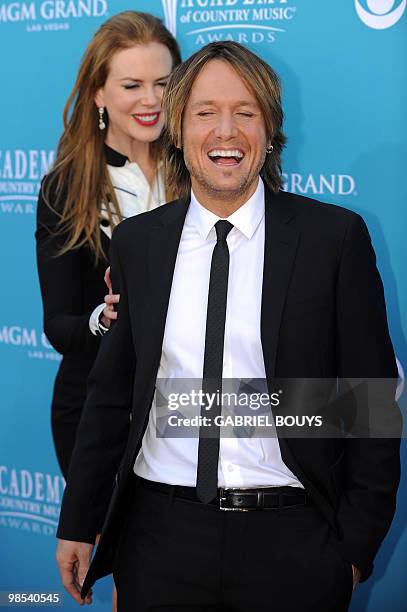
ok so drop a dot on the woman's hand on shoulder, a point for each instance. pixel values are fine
(109, 314)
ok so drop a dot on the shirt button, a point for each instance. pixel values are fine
(230, 468)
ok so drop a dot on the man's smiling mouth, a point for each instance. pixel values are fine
(226, 157)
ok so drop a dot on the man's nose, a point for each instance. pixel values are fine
(225, 127)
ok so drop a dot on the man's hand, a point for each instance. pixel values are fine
(73, 560)
(356, 576)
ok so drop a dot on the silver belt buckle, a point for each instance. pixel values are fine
(223, 498)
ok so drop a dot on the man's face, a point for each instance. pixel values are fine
(224, 136)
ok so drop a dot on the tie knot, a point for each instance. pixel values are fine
(222, 229)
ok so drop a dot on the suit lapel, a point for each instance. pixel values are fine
(162, 254)
(280, 248)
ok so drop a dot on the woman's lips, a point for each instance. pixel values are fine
(147, 119)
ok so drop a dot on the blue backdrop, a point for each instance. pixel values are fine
(343, 70)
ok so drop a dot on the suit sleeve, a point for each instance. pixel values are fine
(66, 325)
(365, 351)
(104, 426)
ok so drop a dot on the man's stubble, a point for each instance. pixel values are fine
(213, 191)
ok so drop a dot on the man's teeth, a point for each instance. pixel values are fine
(222, 153)
(147, 118)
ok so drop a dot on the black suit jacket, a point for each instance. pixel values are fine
(322, 315)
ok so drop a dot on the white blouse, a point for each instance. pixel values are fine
(133, 192)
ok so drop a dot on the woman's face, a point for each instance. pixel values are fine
(133, 92)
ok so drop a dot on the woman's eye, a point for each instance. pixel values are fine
(133, 86)
(204, 113)
(162, 84)
(245, 114)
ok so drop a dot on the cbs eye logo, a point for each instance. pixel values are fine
(381, 14)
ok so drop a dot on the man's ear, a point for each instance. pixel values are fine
(99, 98)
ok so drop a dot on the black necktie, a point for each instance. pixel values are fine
(208, 447)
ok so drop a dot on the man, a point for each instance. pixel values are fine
(235, 280)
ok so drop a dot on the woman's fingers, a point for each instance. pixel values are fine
(107, 280)
(112, 298)
(109, 313)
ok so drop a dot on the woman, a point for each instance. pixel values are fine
(107, 168)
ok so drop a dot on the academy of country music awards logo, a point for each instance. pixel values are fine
(21, 172)
(380, 14)
(244, 21)
(257, 21)
(31, 340)
(51, 15)
(30, 501)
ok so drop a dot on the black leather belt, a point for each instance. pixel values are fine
(235, 499)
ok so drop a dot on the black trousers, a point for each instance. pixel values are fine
(182, 556)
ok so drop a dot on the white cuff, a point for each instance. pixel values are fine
(94, 319)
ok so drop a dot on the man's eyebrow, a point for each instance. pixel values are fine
(167, 76)
(214, 102)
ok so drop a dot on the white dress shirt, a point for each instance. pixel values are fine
(243, 461)
(134, 196)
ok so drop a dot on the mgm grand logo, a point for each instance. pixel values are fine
(29, 339)
(51, 14)
(244, 21)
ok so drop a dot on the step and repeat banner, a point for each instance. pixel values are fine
(343, 67)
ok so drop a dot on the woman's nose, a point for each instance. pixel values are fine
(150, 97)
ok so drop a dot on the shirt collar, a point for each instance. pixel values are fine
(114, 158)
(246, 218)
(118, 160)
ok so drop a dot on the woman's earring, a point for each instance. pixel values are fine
(102, 124)
(270, 149)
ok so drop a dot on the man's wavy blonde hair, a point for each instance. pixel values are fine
(261, 80)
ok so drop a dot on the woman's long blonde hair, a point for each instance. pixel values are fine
(80, 178)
